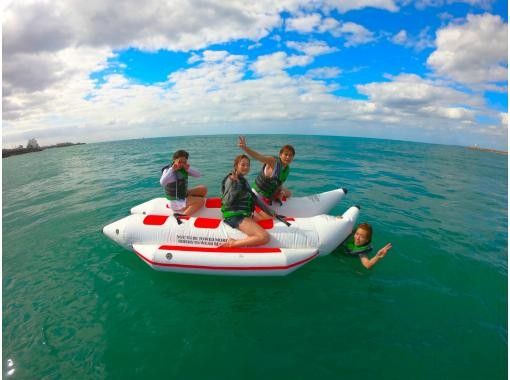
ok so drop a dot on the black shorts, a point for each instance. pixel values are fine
(234, 221)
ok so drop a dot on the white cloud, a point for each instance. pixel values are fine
(214, 94)
(484, 4)
(353, 33)
(474, 53)
(344, 6)
(313, 48)
(304, 24)
(503, 117)
(329, 24)
(409, 94)
(271, 63)
(324, 73)
(400, 38)
(51, 48)
(274, 64)
(39, 83)
(422, 41)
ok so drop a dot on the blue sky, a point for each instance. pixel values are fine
(429, 70)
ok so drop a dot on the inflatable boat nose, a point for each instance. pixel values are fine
(112, 231)
(344, 190)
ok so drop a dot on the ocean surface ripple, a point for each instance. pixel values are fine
(75, 305)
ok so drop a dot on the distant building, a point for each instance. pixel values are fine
(33, 144)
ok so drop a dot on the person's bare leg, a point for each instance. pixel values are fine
(256, 235)
(193, 204)
(198, 191)
(261, 215)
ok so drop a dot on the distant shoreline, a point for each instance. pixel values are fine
(17, 151)
(488, 150)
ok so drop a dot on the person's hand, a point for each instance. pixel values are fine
(384, 250)
(176, 166)
(242, 142)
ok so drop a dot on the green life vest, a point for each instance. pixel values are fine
(348, 247)
(268, 186)
(179, 188)
(242, 204)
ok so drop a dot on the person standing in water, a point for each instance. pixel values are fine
(174, 179)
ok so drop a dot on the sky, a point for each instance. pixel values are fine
(431, 71)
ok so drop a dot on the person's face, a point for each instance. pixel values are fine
(286, 156)
(181, 161)
(360, 237)
(243, 166)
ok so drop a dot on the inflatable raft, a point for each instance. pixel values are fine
(299, 207)
(192, 244)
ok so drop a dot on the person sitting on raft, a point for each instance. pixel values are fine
(238, 204)
(174, 179)
(359, 244)
(274, 172)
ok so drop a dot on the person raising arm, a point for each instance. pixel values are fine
(274, 172)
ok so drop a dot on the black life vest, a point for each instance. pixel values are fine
(268, 186)
(243, 199)
(179, 188)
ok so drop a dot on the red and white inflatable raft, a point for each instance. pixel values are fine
(191, 244)
(300, 207)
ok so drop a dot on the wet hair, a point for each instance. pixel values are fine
(238, 159)
(290, 148)
(368, 229)
(180, 153)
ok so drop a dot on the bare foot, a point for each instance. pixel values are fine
(228, 243)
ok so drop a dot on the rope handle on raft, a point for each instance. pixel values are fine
(267, 210)
(177, 217)
(281, 218)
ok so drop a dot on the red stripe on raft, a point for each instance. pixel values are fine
(213, 203)
(226, 268)
(155, 220)
(207, 223)
(220, 249)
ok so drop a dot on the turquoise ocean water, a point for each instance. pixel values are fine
(78, 306)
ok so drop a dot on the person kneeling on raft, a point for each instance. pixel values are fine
(274, 172)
